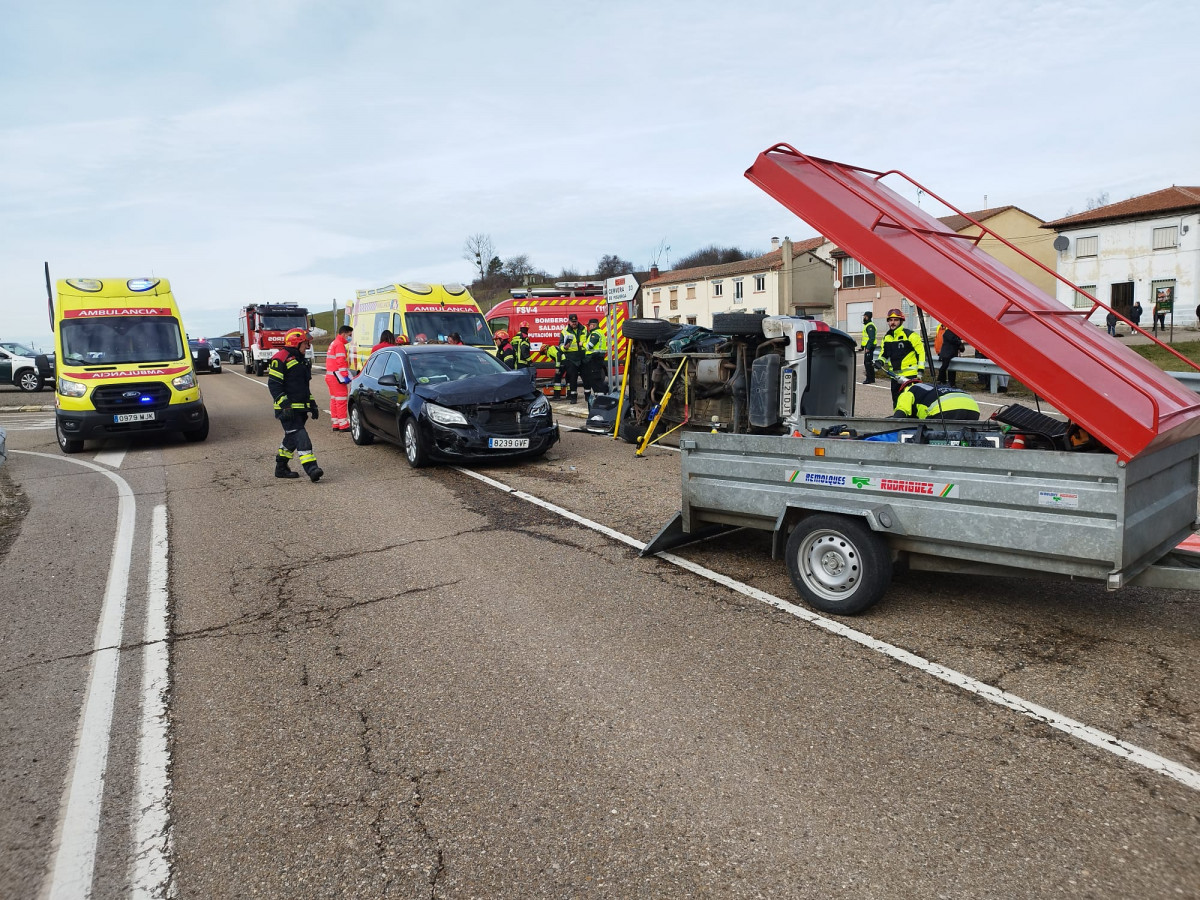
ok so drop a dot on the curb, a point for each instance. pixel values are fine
(25, 409)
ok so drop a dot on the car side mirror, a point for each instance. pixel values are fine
(389, 380)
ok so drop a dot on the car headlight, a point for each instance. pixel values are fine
(71, 388)
(184, 382)
(539, 407)
(444, 416)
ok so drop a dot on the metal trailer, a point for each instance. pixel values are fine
(845, 512)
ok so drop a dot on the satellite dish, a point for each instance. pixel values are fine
(1062, 242)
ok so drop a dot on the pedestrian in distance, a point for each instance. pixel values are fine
(926, 401)
(571, 346)
(595, 346)
(1111, 322)
(1135, 314)
(386, 339)
(901, 351)
(952, 346)
(504, 349)
(289, 376)
(337, 378)
(870, 331)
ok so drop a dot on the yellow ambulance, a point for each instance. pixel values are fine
(424, 313)
(123, 364)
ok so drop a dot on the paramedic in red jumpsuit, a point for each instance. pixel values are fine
(337, 377)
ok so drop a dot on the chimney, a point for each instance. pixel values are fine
(774, 243)
(654, 271)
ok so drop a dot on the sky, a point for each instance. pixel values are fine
(275, 150)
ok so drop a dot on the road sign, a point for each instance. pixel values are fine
(619, 289)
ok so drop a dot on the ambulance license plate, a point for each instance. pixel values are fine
(508, 443)
(133, 417)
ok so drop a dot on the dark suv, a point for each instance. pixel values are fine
(229, 348)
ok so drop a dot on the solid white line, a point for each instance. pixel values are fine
(1131, 752)
(151, 876)
(71, 870)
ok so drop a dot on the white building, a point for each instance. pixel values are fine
(1143, 250)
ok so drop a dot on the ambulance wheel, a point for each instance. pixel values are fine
(838, 564)
(66, 444)
(648, 329)
(414, 444)
(196, 435)
(358, 431)
(29, 380)
(745, 324)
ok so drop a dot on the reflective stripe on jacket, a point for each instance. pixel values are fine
(337, 362)
(523, 351)
(924, 401)
(596, 343)
(570, 342)
(869, 333)
(288, 377)
(903, 351)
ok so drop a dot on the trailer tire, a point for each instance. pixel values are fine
(743, 324)
(838, 564)
(648, 329)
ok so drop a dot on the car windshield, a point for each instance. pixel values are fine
(18, 349)
(121, 340)
(451, 365)
(437, 326)
(282, 322)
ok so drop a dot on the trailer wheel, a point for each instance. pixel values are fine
(838, 564)
(648, 329)
(744, 324)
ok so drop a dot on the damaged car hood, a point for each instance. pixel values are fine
(479, 389)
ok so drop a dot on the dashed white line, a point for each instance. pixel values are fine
(1096, 738)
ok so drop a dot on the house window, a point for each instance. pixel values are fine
(1166, 238)
(674, 298)
(656, 315)
(691, 292)
(855, 274)
(718, 288)
(760, 283)
(691, 320)
(737, 290)
(1087, 246)
(1082, 302)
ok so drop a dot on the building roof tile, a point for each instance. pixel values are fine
(1157, 203)
(766, 262)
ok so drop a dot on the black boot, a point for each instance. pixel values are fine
(313, 471)
(282, 470)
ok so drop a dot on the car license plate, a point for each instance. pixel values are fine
(133, 417)
(508, 443)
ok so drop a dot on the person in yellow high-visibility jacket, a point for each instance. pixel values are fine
(926, 401)
(901, 351)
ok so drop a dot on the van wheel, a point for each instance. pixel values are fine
(28, 380)
(838, 564)
(358, 431)
(195, 435)
(66, 444)
(648, 329)
(744, 324)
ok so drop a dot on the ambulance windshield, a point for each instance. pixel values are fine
(438, 325)
(121, 340)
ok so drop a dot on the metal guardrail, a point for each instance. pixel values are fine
(993, 372)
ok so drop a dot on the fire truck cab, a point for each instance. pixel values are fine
(263, 326)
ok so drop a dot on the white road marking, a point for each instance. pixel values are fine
(151, 876)
(1131, 752)
(72, 867)
(113, 457)
(26, 421)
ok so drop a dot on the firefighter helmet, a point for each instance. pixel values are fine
(895, 314)
(401, 340)
(295, 337)
(909, 380)
(501, 335)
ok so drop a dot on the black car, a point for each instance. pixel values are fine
(228, 348)
(204, 357)
(451, 403)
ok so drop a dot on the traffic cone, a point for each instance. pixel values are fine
(1018, 442)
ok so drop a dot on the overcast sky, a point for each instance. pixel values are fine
(291, 150)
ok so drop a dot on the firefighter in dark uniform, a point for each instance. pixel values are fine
(926, 401)
(571, 347)
(901, 352)
(504, 350)
(522, 348)
(595, 347)
(554, 353)
(288, 376)
(869, 333)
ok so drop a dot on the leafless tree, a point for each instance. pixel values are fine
(479, 250)
(611, 265)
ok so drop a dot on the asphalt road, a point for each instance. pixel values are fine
(423, 684)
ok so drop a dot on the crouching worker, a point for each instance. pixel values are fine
(927, 401)
(288, 376)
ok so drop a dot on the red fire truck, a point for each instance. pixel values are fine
(263, 326)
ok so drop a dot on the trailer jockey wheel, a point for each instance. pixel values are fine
(838, 564)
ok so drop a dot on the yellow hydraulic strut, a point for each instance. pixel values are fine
(660, 409)
(624, 381)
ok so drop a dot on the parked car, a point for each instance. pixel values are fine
(229, 348)
(25, 368)
(205, 358)
(447, 402)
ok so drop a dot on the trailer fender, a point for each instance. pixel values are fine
(879, 517)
